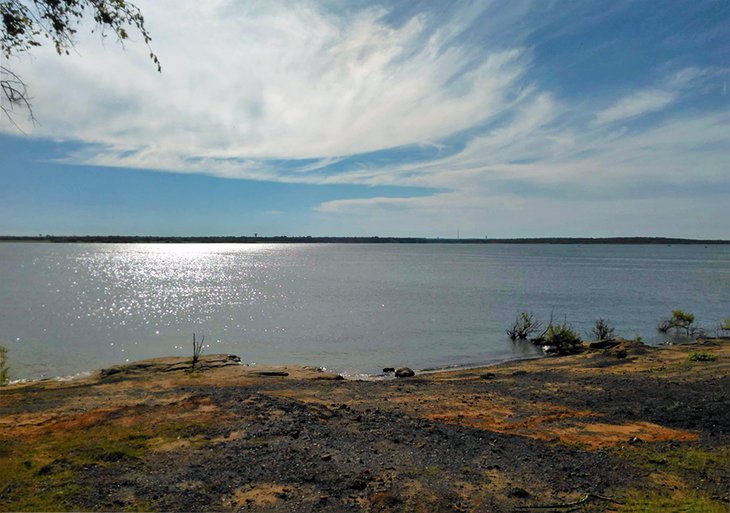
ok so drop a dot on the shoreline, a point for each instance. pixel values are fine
(647, 429)
(348, 376)
(254, 366)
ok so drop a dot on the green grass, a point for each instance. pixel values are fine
(680, 460)
(702, 357)
(45, 474)
(655, 503)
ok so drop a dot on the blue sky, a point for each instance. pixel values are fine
(401, 118)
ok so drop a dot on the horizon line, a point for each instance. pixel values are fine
(212, 239)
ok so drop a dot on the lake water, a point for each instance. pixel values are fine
(353, 308)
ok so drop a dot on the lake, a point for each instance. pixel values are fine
(352, 308)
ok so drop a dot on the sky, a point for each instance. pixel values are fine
(486, 119)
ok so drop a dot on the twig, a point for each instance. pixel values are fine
(585, 499)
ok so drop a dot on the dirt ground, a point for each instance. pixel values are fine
(647, 431)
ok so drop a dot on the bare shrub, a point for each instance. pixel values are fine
(601, 330)
(525, 325)
(197, 349)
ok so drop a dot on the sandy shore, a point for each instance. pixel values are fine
(648, 431)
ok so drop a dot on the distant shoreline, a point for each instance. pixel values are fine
(134, 239)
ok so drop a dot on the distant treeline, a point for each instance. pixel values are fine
(353, 240)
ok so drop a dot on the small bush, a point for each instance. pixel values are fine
(601, 330)
(4, 369)
(563, 338)
(679, 321)
(525, 325)
(197, 349)
(702, 357)
(723, 328)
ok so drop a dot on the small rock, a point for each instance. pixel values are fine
(404, 372)
(272, 373)
(488, 375)
(326, 457)
(519, 493)
(603, 344)
(620, 353)
(358, 484)
(388, 369)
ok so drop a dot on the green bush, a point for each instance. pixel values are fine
(679, 321)
(723, 328)
(563, 338)
(4, 369)
(702, 357)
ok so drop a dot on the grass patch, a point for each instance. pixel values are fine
(698, 356)
(656, 503)
(431, 471)
(49, 473)
(681, 460)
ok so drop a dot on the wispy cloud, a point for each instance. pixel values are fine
(280, 81)
(636, 104)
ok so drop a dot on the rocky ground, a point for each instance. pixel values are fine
(628, 428)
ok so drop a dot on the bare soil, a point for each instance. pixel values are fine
(645, 432)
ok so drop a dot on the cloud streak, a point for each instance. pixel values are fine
(637, 104)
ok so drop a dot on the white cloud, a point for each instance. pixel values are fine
(267, 81)
(250, 88)
(636, 104)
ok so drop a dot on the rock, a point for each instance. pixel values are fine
(326, 457)
(404, 372)
(388, 369)
(519, 493)
(170, 364)
(603, 344)
(488, 375)
(358, 484)
(272, 373)
(328, 376)
(621, 353)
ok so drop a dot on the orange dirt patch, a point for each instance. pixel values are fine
(262, 495)
(599, 435)
(31, 426)
(548, 421)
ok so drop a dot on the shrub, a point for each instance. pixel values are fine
(525, 325)
(702, 357)
(601, 330)
(679, 321)
(563, 338)
(723, 328)
(4, 369)
(197, 349)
